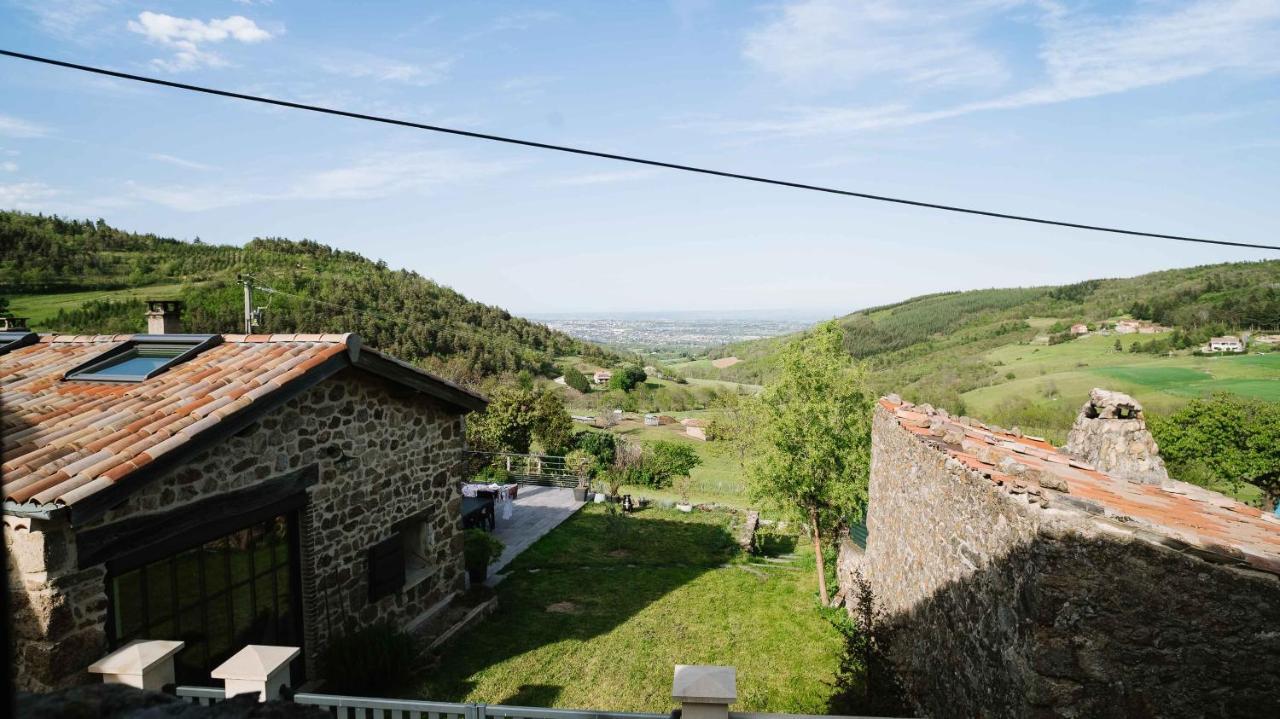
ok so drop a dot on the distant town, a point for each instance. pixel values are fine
(677, 331)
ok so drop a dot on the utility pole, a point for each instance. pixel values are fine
(247, 282)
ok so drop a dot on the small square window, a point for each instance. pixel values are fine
(418, 540)
(142, 358)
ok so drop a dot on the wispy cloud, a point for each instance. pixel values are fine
(366, 66)
(845, 42)
(605, 178)
(15, 127)
(26, 195)
(187, 36)
(1084, 56)
(8, 166)
(377, 175)
(180, 162)
(65, 19)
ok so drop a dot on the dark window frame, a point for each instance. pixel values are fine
(92, 370)
(10, 341)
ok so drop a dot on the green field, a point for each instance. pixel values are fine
(40, 308)
(595, 615)
(1069, 370)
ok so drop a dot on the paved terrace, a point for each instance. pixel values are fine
(536, 511)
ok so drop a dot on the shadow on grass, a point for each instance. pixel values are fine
(533, 695)
(575, 584)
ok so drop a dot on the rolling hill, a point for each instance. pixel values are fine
(82, 276)
(973, 351)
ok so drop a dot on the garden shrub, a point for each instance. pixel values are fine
(377, 660)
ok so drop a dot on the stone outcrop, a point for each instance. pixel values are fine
(1111, 434)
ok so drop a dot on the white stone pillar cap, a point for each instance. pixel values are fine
(256, 662)
(705, 684)
(136, 657)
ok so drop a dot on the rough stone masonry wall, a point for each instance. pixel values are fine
(405, 451)
(1007, 607)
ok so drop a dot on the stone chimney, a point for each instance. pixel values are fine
(1111, 435)
(13, 324)
(164, 317)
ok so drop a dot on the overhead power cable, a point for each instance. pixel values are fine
(622, 158)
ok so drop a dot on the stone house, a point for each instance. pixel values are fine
(1229, 343)
(1018, 579)
(1079, 328)
(221, 490)
(602, 376)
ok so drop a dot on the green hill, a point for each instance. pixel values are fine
(985, 351)
(81, 276)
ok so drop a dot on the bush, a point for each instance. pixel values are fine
(492, 474)
(479, 548)
(601, 445)
(627, 377)
(581, 463)
(664, 461)
(576, 380)
(377, 660)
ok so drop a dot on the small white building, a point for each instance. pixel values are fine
(1127, 327)
(1079, 329)
(1229, 343)
(602, 376)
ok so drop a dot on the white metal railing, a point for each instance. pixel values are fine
(205, 696)
(344, 707)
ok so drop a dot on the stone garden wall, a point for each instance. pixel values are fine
(1004, 606)
(383, 453)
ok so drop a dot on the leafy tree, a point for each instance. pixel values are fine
(516, 416)
(601, 445)
(627, 377)
(552, 425)
(666, 461)
(810, 438)
(576, 380)
(1234, 438)
(1119, 347)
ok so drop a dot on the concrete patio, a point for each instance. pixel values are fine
(536, 511)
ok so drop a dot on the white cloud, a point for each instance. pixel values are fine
(14, 127)
(180, 162)
(374, 176)
(821, 43)
(605, 178)
(65, 18)
(8, 166)
(25, 195)
(185, 36)
(362, 65)
(1086, 56)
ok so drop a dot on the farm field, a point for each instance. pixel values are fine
(595, 616)
(40, 308)
(1066, 372)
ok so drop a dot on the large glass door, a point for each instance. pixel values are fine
(241, 588)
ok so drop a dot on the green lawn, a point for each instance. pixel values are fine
(39, 308)
(586, 622)
(718, 479)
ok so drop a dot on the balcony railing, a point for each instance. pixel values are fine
(541, 469)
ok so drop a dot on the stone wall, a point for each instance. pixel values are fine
(384, 454)
(1007, 607)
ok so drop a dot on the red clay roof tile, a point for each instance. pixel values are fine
(1196, 516)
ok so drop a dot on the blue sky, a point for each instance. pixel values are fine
(1152, 115)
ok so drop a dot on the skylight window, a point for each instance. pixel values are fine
(10, 341)
(142, 358)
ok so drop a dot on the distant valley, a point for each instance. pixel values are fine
(677, 332)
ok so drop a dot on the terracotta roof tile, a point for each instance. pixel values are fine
(1204, 520)
(65, 440)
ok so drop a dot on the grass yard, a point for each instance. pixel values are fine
(40, 308)
(718, 479)
(590, 622)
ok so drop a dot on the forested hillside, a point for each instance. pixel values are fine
(938, 347)
(81, 276)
